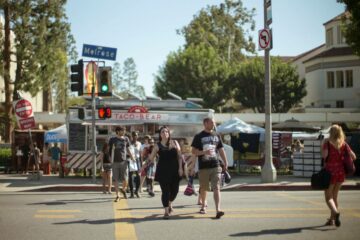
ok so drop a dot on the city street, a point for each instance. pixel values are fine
(248, 215)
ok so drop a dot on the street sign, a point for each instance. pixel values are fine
(100, 52)
(264, 39)
(24, 114)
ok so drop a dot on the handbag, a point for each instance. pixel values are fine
(349, 165)
(321, 180)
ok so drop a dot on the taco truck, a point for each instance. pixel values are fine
(183, 117)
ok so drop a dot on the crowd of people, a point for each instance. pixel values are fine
(30, 158)
(133, 164)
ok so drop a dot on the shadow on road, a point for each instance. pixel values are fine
(65, 201)
(282, 231)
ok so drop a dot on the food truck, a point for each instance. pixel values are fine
(183, 117)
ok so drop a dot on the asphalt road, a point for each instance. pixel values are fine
(248, 215)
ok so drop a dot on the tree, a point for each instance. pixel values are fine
(40, 49)
(248, 85)
(221, 27)
(125, 79)
(194, 72)
(351, 24)
(215, 41)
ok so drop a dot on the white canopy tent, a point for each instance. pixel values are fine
(57, 135)
(236, 125)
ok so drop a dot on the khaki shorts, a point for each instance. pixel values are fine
(120, 171)
(211, 175)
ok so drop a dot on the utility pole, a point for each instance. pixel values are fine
(268, 172)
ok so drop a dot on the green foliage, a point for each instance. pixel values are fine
(124, 79)
(196, 71)
(248, 85)
(215, 41)
(351, 24)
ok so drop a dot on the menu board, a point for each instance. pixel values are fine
(77, 137)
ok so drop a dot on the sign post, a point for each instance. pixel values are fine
(268, 171)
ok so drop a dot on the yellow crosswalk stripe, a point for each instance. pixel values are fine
(53, 216)
(42, 213)
(124, 229)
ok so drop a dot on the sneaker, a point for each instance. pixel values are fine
(151, 194)
(117, 199)
(137, 195)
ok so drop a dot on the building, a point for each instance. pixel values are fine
(332, 73)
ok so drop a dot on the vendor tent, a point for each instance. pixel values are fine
(58, 135)
(236, 125)
(294, 125)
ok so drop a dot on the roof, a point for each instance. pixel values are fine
(306, 53)
(333, 52)
(338, 17)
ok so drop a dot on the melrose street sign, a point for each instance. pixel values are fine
(100, 52)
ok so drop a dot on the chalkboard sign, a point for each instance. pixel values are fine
(77, 137)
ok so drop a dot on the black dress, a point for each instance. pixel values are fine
(167, 169)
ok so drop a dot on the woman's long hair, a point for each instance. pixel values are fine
(168, 141)
(105, 148)
(337, 136)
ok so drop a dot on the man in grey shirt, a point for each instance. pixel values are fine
(119, 146)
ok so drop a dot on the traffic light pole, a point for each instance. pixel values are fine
(268, 172)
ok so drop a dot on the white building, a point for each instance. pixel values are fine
(332, 73)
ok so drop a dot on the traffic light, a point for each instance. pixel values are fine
(104, 82)
(104, 112)
(77, 77)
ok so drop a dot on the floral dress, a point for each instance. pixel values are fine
(335, 162)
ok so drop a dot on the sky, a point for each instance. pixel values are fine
(145, 30)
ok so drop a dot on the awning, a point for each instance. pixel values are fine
(57, 135)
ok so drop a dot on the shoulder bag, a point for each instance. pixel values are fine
(321, 179)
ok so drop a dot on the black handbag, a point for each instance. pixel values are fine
(321, 180)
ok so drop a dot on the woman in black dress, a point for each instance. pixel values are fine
(169, 168)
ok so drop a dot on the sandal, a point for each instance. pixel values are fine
(202, 211)
(330, 222)
(219, 214)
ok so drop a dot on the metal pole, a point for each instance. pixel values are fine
(268, 172)
(93, 125)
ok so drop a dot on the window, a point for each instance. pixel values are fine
(330, 80)
(340, 35)
(340, 104)
(339, 79)
(329, 37)
(349, 78)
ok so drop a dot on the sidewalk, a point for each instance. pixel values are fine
(20, 183)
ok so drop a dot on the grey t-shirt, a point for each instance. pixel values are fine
(120, 145)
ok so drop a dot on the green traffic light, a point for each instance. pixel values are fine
(104, 88)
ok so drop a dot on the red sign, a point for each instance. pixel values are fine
(24, 114)
(264, 39)
(137, 109)
(27, 123)
(23, 109)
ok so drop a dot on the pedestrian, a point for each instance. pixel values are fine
(119, 146)
(35, 158)
(149, 167)
(106, 168)
(143, 157)
(333, 150)
(55, 158)
(19, 155)
(169, 168)
(207, 145)
(134, 165)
